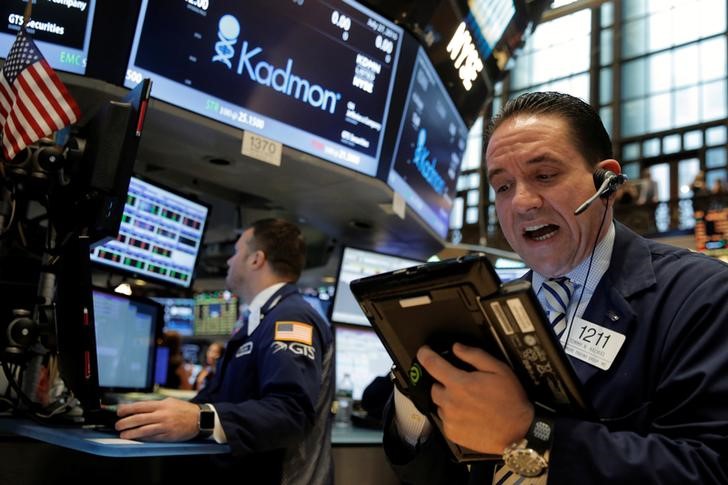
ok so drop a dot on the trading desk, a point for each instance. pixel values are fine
(33, 453)
(108, 444)
(105, 444)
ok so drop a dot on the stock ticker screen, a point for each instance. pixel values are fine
(160, 236)
(430, 144)
(60, 28)
(315, 74)
(216, 313)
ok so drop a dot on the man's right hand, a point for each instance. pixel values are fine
(166, 420)
(484, 410)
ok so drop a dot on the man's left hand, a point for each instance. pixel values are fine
(166, 420)
(484, 410)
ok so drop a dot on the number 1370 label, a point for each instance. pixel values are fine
(594, 344)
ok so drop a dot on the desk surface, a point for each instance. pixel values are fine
(104, 444)
(107, 444)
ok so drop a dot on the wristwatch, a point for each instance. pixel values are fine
(529, 457)
(206, 421)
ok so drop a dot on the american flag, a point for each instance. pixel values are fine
(294, 331)
(33, 101)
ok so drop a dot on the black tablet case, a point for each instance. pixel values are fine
(463, 300)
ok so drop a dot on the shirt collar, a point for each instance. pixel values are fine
(258, 301)
(599, 266)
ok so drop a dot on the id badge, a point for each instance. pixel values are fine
(593, 344)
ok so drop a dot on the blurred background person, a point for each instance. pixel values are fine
(212, 355)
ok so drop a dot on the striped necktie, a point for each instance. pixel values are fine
(557, 292)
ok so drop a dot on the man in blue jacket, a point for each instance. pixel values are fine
(658, 380)
(271, 395)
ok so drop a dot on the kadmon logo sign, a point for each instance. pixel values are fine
(250, 63)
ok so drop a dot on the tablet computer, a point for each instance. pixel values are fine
(462, 300)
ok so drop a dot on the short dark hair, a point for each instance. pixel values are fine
(591, 137)
(283, 245)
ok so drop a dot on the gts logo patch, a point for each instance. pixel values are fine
(295, 347)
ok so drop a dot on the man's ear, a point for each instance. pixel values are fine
(610, 164)
(258, 259)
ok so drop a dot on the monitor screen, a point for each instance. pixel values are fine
(215, 313)
(315, 75)
(162, 365)
(321, 306)
(711, 231)
(429, 148)
(126, 330)
(355, 264)
(60, 29)
(160, 235)
(179, 315)
(508, 274)
(360, 353)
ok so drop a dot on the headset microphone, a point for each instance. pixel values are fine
(606, 183)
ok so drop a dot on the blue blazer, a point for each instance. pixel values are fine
(663, 403)
(273, 396)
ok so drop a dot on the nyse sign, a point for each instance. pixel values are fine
(465, 56)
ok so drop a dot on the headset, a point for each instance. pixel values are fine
(606, 183)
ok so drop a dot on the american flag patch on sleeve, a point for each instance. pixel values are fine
(294, 331)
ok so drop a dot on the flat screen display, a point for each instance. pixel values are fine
(60, 28)
(215, 313)
(162, 366)
(429, 148)
(711, 231)
(508, 274)
(179, 315)
(126, 330)
(359, 263)
(160, 236)
(321, 306)
(488, 19)
(361, 354)
(315, 75)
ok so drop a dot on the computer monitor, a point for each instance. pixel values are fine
(161, 365)
(256, 65)
(160, 237)
(361, 354)
(126, 330)
(179, 315)
(510, 269)
(358, 263)
(215, 313)
(431, 138)
(508, 274)
(60, 29)
(321, 306)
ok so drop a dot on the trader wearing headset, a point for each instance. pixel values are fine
(659, 388)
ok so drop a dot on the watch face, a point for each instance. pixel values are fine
(207, 419)
(525, 462)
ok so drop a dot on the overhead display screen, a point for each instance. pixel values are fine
(160, 236)
(429, 148)
(60, 28)
(315, 75)
(489, 19)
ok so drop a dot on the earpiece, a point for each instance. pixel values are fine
(600, 175)
(606, 183)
